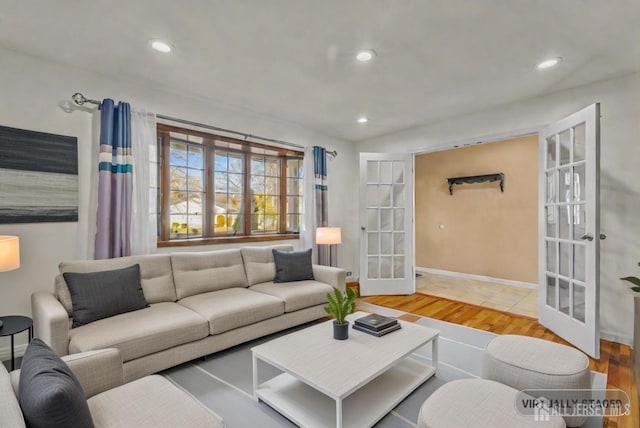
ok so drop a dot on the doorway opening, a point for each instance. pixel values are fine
(477, 241)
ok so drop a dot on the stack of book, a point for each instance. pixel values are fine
(377, 325)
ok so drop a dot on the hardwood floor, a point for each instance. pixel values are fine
(615, 359)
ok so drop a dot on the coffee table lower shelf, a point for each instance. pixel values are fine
(308, 407)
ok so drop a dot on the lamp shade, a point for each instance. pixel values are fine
(328, 235)
(9, 253)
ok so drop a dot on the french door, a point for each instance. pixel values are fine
(386, 219)
(569, 229)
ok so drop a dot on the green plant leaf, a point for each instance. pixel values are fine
(632, 279)
(636, 289)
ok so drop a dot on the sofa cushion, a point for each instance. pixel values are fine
(196, 273)
(98, 295)
(152, 402)
(259, 264)
(296, 295)
(10, 413)
(158, 327)
(233, 307)
(49, 393)
(292, 265)
(155, 276)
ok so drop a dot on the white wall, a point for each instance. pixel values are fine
(620, 176)
(31, 89)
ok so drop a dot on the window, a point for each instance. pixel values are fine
(220, 189)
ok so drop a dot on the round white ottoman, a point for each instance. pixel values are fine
(524, 362)
(477, 403)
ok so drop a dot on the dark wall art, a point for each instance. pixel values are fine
(38, 177)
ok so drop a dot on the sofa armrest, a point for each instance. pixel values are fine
(97, 371)
(333, 276)
(50, 321)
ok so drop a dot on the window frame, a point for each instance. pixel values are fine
(210, 143)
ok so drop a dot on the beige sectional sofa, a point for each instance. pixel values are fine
(199, 303)
(149, 402)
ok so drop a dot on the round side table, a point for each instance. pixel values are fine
(12, 325)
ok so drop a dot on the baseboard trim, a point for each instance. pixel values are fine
(5, 353)
(612, 337)
(511, 282)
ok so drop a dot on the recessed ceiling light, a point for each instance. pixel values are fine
(549, 63)
(161, 46)
(366, 55)
(363, 120)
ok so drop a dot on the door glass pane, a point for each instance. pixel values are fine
(385, 267)
(579, 267)
(552, 188)
(565, 147)
(385, 195)
(579, 297)
(385, 243)
(372, 195)
(565, 184)
(372, 243)
(551, 152)
(551, 291)
(564, 258)
(372, 171)
(578, 183)
(579, 145)
(385, 219)
(564, 295)
(372, 267)
(398, 267)
(552, 215)
(579, 218)
(552, 257)
(398, 195)
(398, 219)
(398, 243)
(385, 172)
(398, 172)
(372, 219)
(565, 222)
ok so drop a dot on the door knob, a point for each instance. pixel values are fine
(603, 236)
(587, 237)
(363, 228)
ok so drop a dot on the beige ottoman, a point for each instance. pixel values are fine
(477, 403)
(524, 362)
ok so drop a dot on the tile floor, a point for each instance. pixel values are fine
(507, 298)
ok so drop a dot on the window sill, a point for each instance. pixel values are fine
(226, 240)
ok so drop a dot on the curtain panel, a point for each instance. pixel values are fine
(115, 183)
(321, 199)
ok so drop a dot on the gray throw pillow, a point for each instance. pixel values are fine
(293, 265)
(49, 394)
(98, 295)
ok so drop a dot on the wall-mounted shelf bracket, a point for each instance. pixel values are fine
(476, 179)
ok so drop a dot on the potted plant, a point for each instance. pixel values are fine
(340, 305)
(636, 322)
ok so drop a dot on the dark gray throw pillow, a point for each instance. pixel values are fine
(49, 394)
(293, 265)
(98, 295)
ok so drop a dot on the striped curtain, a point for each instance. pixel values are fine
(321, 201)
(114, 181)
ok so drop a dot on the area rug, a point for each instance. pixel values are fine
(223, 381)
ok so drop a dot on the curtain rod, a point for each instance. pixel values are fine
(80, 99)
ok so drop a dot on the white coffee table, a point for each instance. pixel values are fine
(343, 383)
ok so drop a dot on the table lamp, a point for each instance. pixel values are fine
(9, 254)
(329, 236)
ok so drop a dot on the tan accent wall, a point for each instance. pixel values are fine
(485, 232)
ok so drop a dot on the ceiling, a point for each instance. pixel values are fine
(294, 59)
